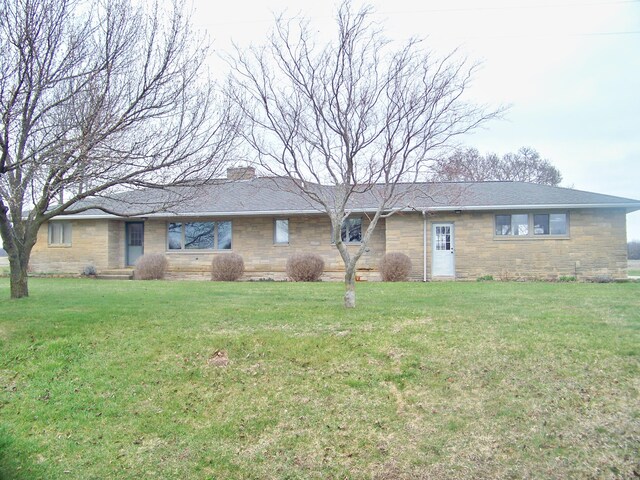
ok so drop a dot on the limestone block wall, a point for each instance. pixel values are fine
(595, 246)
(405, 234)
(89, 246)
(252, 237)
(116, 238)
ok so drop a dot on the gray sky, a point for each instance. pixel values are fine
(568, 69)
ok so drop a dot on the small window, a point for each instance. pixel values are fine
(59, 233)
(224, 235)
(281, 231)
(199, 236)
(174, 236)
(550, 224)
(558, 224)
(520, 224)
(352, 230)
(541, 224)
(503, 224)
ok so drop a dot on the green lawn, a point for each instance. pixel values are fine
(634, 273)
(119, 380)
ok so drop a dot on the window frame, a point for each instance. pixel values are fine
(64, 225)
(275, 231)
(216, 236)
(531, 225)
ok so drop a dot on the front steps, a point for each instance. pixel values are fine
(116, 274)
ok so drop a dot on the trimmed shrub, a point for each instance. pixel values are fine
(89, 271)
(305, 267)
(152, 266)
(228, 267)
(395, 267)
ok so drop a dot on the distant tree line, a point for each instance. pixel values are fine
(468, 165)
(633, 250)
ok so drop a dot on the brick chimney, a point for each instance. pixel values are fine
(241, 173)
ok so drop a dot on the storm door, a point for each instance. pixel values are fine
(135, 241)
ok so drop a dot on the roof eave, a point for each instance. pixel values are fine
(630, 207)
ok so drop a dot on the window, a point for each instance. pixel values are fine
(352, 230)
(512, 224)
(503, 224)
(281, 231)
(59, 233)
(542, 224)
(199, 236)
(223, 235)
(550, 224)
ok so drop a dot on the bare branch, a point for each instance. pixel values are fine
(96, 98)
(360, 113)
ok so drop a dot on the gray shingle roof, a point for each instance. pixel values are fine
(268, 195)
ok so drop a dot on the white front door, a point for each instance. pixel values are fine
(443, 264)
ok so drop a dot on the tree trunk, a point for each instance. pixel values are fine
(350, 284)
(18, 279)
(19, 254)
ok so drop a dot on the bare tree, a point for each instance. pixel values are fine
(354, 117)
(468, 165)
(94, 99)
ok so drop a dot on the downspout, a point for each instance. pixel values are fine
(424, 245)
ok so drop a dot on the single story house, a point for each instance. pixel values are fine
(509, 230)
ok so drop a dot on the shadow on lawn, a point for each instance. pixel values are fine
(11, 466)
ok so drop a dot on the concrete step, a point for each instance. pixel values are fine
(123, 274)
(103, 276)
(117, 271)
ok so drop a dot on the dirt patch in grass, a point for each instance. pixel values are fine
(220, 358)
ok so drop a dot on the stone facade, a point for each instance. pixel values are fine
(594, 246)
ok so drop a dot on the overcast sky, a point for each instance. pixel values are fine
(568, 69)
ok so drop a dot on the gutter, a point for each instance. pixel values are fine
(424, 245)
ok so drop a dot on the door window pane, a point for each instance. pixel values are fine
(443, 238)
(135, 234)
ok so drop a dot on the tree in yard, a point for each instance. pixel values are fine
(96, 98)
(353, 117)
(468, 165)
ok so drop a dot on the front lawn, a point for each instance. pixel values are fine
(201, 380)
